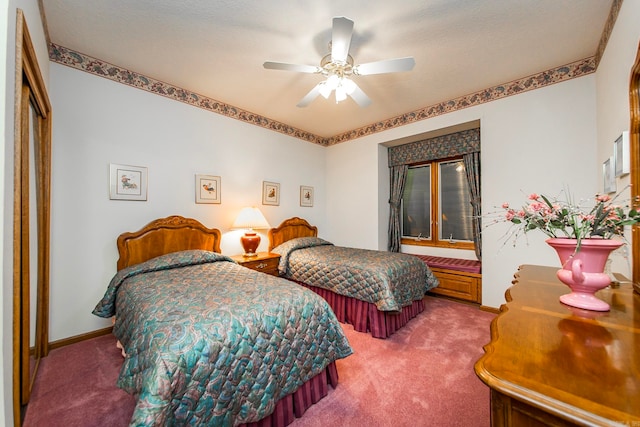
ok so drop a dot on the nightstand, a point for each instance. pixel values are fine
(264, 262)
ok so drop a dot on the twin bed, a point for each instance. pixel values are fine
(375, 291)
(209, 342)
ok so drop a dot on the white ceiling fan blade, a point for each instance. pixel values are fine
(385, 66)
(341, 38)
(359, 96)
(309, 97)
(291, 67)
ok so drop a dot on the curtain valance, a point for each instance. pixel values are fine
(440, 147)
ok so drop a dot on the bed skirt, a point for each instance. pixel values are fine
(365, 316)
(294, 405)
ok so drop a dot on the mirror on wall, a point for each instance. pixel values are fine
(31, 220)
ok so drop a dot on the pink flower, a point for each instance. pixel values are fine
(566, 219)
(537, 206)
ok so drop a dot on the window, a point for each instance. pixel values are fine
(437, 190)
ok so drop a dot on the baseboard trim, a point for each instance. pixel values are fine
(490, 309)
(79, 338)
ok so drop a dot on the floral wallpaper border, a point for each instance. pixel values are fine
(608, 29)
(73, 59)
(79, 61)
(536, 81)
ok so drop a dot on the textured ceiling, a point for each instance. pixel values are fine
(217, 48)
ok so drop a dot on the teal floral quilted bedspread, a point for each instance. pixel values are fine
(390, 280)
(209, 342)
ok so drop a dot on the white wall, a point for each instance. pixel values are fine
(538, 141)
(98, 122)
(612, 81)
(7, 96)
(352, 195)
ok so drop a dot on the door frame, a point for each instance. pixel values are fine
(30, 94)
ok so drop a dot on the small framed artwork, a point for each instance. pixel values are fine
(270, 193)
(207, 189)
(127, 182)
(621, 154)
(306, 196)
(609, 180)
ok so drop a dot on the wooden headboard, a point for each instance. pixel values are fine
(163, 236)
(290, 229)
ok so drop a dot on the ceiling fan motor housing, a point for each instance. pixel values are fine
(339, 68)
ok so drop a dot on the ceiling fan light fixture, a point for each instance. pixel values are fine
(341, 94)
(338, 65)
(333, 82)
(324, 89)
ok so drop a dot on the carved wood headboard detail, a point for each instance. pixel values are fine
(290, 229)
(163, 236)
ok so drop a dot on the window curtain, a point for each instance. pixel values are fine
(472, 168)
(398, 179)
(465, 143)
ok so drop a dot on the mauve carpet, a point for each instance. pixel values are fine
(421, 376)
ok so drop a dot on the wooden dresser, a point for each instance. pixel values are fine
(550, 364)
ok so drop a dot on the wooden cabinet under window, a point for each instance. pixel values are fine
(458, 284)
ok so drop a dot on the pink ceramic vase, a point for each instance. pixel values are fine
(583, 271)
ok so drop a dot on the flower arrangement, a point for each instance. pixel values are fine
(556, 218)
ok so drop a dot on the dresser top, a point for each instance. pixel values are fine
(577, 364)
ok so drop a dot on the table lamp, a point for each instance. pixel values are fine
(250, 219)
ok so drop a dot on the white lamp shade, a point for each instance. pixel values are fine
(341, 95)
(324, 89)
(250, 218)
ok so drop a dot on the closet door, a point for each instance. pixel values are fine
(31, 220)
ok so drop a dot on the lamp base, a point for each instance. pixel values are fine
(250, 242)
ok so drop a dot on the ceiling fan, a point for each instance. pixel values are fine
(338, 66)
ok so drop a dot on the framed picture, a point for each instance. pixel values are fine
(621, 154)
(270, 193)
(609, 180)
(127, 182)
(306, 196)
(207, 189)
